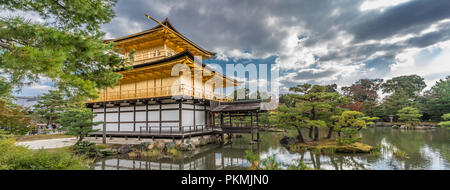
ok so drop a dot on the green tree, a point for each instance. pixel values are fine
(395, 102)
(446, 122)
(14, 119)
(314, 104)
(67, 47)
(410, 85)
(5, 90)
(436, 101)
(78, 121)
(409, 115)
(363, 90)
(49, 106)
(348, 124)
(315, 100)
(290, 117)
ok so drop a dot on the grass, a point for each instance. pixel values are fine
(14, 157)
(42, 137)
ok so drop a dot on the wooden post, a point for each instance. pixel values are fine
(251, 125)
(118, 119)
(134, 117)
(221, 126)
(195, 123)
(104, 124)
(180, 116)
(231, 122)
(257, 127)
(146, 114)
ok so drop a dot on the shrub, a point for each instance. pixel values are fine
(86, 148)
(445, 123)
(14, 157)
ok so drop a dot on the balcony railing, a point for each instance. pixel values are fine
(161, 92)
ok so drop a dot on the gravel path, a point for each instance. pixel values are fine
(49, 143)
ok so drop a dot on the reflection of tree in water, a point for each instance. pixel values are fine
(232, 156)
(412, 142)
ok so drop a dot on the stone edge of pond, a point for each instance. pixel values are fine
(163, 148)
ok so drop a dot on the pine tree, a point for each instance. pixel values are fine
(67, 48)
(49, 107)
(78, 121)
(409, 115)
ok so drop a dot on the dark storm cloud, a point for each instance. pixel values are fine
(406, 18)
(311, 75)
(261, 26)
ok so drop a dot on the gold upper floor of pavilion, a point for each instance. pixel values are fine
(159, 53)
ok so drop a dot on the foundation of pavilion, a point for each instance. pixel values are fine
(173, 118)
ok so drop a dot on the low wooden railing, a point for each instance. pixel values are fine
(170, 130)
(160, 92)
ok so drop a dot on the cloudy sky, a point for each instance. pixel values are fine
(320, 42)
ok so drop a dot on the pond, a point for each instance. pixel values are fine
(425, 149)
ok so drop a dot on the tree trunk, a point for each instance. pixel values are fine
(316, 134)
(330, 132)
(300, 136)
(310, 132)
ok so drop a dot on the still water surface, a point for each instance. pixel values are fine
(425, 149)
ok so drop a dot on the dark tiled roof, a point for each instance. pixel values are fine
(239, 106)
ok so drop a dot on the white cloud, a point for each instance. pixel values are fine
(380, 4)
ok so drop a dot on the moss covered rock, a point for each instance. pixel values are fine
(329, 146)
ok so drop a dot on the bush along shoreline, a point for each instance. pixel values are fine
(14, 157)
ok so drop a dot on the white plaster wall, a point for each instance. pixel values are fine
(153, 107)
(199, 117)
(128, 116)
(166, 127)
(126, 127)
(98, 110)
(140, 107)
(126, 108)
(98, 117)
(111, 127)
(170, 115)
(99, 127)
(188, 106)
(112, 117)
(140, 116)
(112, 109)
(188, 117)
(153, 115)
(169, 106)
(138, 125)
(154, 127)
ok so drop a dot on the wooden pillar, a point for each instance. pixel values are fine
(160, 114)
(104, 124)
(257, 127)
(231, 122)
(195, 123)
(134, 117)
(180, 115)
(118, 119)
(221, 120)
(221, 126)
(251, 125)
(146, 115)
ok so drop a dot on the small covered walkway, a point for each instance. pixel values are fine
(238, 117)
